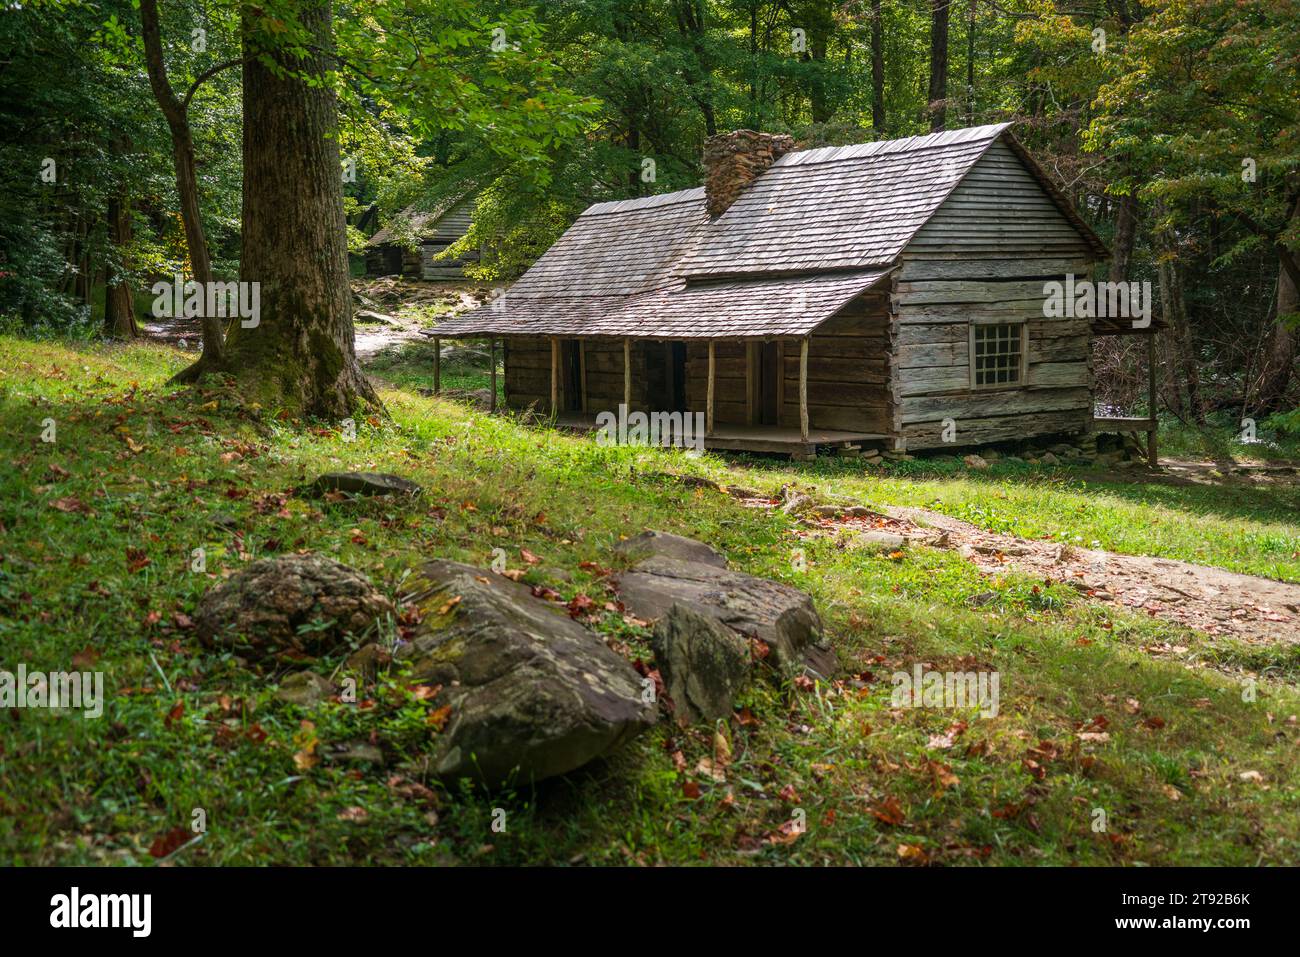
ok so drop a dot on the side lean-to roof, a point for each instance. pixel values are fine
(814, 231)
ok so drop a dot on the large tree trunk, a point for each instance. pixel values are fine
(1125, 230)
(187, 183)
(119, 299)
(1279, 363)
(877, 68)
(938, 63)
(1175, 314)
(821, 25)
(301, 355)
(690, 23)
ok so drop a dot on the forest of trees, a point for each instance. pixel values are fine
(143, 139)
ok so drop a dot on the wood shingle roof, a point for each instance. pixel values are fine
(816, 229)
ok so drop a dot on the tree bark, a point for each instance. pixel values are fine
(1126, 215)
(877, 68)
(690, 23)
(819, 17)
(970, 62)
(938, 64)
(1184, 338)
(1279, 365)
(301, 354)
(187, 184)
(119, 298)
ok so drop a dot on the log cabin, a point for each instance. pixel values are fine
(889, 292)
(435, 230)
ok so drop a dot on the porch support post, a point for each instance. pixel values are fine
(708, 407)
(492, 351)
(437, 365)
(1152, 458)
(555, 377)
(627, 373)
(803, 389)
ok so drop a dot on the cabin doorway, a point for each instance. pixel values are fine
(677, 377)
(666, 377)
(572, 393)
(766, 384)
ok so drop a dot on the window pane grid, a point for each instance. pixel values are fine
(997, 354)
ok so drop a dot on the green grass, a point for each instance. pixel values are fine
(410, 367)
(1244, 529)
(1222, 440)
(153, 466)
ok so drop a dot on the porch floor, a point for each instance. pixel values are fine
(749, 438)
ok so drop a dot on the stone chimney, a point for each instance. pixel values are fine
(734, 160)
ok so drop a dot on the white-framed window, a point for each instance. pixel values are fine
(997, 354)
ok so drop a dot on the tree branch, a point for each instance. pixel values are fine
(206, 75)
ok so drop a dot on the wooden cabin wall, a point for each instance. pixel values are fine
(847, 373)
(387, 259)
(729, 362)
(433, 268)
(848, 370)
(528, 373)
(451, 226)
(604, 358)
(986, 254)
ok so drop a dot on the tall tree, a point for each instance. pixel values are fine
(176, 111)
(877, 68)
(938, 104)
(970, 62)
(690, 16)
(301, 354)
(119, 298)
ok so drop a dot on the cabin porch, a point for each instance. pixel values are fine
(753, 438)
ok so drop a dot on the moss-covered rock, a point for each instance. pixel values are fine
(306, 604)
(531, 693)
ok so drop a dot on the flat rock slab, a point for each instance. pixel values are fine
(667, 545)
(782, 617)
(261, 609)
(532, 693)
(364, 483)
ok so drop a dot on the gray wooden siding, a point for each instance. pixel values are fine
(985, 255)
(454, 223)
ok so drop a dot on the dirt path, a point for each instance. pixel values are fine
(389, 311)
(371, 337)
(1210, 600)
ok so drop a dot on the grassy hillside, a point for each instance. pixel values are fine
(99, 529)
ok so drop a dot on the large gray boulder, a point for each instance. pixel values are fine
(704, 664)
(782, 617)
(668, 545)
(261, 610)
(532, 693)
